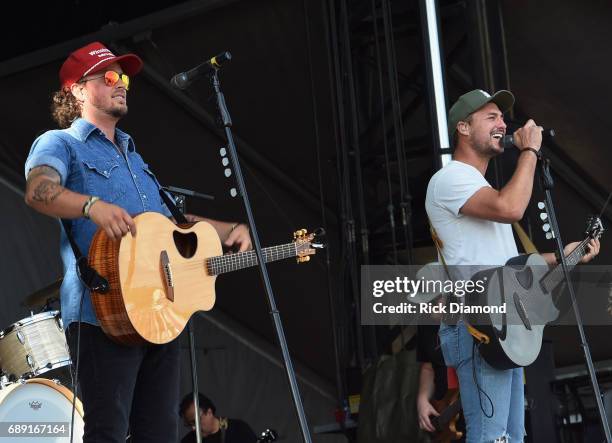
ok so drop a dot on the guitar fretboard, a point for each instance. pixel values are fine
(232, 262)
(555, 277)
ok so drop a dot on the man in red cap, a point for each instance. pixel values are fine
(90, 173)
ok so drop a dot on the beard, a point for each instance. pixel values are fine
(113, 110)
(118, 111)
(487, 148)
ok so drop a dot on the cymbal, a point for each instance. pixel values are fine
(44, 295)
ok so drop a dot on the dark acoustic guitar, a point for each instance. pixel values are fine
(530, 291)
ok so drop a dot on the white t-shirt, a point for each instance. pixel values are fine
(466, 240)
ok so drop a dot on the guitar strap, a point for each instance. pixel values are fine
(528, 245)
(88, 275)
(479, 336)
(178, 215)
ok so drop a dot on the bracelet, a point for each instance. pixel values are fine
(537, 153)
(557, 257)
(88, 204)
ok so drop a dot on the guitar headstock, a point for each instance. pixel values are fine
(306, 245)
(594, 227)
(267, 436)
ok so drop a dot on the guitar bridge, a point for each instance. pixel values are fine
(166, 270)
(522, 312)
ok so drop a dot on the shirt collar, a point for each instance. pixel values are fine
(83, 129)
(124, 140)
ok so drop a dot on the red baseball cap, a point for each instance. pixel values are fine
(93, 58)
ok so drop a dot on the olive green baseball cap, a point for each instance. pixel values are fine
(474, 100)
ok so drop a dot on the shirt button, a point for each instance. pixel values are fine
(134, 175)
(144, 196)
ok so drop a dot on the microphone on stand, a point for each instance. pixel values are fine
(508, 140)
(183, 79)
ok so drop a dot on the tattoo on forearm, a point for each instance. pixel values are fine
(47, 191)
(46, 171)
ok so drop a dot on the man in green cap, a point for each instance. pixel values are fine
(473, 221)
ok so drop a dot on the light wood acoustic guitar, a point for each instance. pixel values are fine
(161, 277)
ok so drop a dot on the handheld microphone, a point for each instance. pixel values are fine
(508, 140)
(183, 79)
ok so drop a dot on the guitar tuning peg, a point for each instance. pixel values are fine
(541, 205)
(299, 233)
(543, 216)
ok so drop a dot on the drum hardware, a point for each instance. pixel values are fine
(44, 297)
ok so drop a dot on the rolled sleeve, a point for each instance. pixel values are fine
(49, 150)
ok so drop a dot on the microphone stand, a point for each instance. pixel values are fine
(227, 124)
(180, 200)
(547, 184)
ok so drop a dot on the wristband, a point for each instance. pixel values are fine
(558, 257)
(88, 204)
(537, 153)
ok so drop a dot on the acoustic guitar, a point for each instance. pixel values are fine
(161, 277)
(531, 293)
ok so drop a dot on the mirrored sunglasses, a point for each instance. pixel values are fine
(111, 78)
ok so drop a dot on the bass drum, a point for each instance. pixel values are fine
(39, 410)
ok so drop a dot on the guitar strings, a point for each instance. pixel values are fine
(235, 261)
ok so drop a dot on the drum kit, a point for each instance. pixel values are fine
(35, 368)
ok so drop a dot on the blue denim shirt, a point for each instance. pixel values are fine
(88, 163)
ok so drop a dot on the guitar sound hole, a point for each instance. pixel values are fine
(186, 244)
(525, 277)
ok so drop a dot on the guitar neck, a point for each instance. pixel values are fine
(555, 277)
(232, 262)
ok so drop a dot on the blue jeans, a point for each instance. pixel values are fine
(505, 422)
